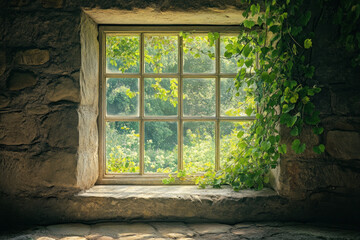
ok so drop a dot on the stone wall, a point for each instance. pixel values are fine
(49, 104)
(333, 176)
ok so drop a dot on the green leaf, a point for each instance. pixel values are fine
(282, 149)
(249, 111)
(240, 134)
(295, 131)
(319, 149)
(246, 50)
(249, 62)
(318, 130)
(249, 23)
(307, 43)
(298, 147)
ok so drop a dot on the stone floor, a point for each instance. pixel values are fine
(184, 231)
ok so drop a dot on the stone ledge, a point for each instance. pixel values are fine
(185, 203)
(171, 191)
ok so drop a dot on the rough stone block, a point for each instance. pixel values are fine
(343, 145)
(32, 57)
(21, 80)
(307, 136)
(69, 229)
(52, 3)
(2, 62)
(17, 129)
(4, 101)
(62, 128)
(63, 89)
(209, 228)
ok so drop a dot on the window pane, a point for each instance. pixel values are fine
(228, 65)
(199, 97)
(122, 147)
(230, 104)
(161, 152)
(230, 60)
(196, 55)
(199, 146)
(161, 96)
(229, 139)
(122, 54)
(161, 54)
(122, 96)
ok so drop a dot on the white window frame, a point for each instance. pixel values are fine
(155, 178)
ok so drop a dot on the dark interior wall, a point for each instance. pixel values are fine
(41, 99)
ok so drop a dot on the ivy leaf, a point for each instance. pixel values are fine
(249, 23)
(282, 149)
(319, 149)
(318, 130)
(249, 62)
(295, 131)
(240, 134)
(249, 111)
(246, 50)
(307, 43)
(298, 147)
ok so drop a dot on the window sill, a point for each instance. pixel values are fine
(185, 203)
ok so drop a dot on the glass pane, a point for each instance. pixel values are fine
(228, 65)
(199, 57)
(233, 102)
(161, 152)
(230, 60)
(161, 54)
(161, 96)
(122, 96)
(229, 139)
(122, 54)
(199, 97)
(122, 147)
(199, 146)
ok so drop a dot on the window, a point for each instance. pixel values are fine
(168, 101)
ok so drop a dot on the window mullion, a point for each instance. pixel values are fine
(217, 101)
(142, 93)
(180, 105)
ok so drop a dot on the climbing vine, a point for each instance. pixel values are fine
(280, 35)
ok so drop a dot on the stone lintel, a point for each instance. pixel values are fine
(151, 16)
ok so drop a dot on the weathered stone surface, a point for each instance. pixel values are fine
(62, 128)
(301, 177)
(205, 228)
(17, 129)
(19, 3)
(52, 3)
(343, 145)
(36, 109)
(73, 238)
(307, 136)
(63, 89)
(88, 145)
(69, 229)
(2, 62)
(173, 229)
(123, 230)
(20, 80)
(274, 231)
(89, 83)
(4, 101)
(32, 57)
(46, 238)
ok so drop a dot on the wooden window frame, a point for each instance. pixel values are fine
(155, 178)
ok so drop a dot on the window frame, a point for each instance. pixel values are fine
(155, 178)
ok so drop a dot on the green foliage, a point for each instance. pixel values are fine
(273, 57)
